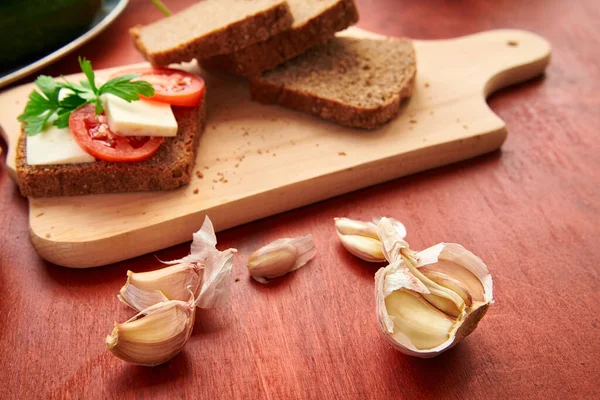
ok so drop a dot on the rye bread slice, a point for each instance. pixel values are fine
(209, 28)
(170, 168)
(355, 82)
(315, 22)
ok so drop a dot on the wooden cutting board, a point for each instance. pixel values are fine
(259, 160)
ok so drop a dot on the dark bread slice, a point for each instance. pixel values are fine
(211, 27)
(170, 168)
(315, 22)
(355, 82)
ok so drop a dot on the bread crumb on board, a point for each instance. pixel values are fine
(39, 215)
(199, 174)
(512, 43)
(342, 153)
(427, 84)
(413, 121)
(196, 191)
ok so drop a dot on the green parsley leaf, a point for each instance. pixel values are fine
(86, 67)
(35, 124)
(49, 87)
(124, 88)
(72, 102)
(36, 107)
(62, 120)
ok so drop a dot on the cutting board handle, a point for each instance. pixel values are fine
(498, 58)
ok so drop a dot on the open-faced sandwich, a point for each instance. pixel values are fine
(139, 131)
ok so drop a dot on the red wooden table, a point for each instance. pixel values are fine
(530, 211)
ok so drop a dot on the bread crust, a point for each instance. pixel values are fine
(234, 36)
(171, 167)
(343, 114)
(266, 55)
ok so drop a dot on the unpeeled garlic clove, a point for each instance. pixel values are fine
(360, 238)
(178, 282)
(280, 257)
(428, 301)
(155, 335)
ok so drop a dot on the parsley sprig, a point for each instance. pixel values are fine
(44, 105)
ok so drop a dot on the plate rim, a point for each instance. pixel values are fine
(66, 49)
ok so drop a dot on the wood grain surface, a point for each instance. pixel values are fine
(258, 160)
(530, 211)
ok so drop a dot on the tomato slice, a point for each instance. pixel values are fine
(94, 136)
(172, 86)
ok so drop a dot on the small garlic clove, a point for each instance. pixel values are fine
(280, 257)
(360, 238)
(365, 248)
(428, 301)
(425, 325)
(347, 226)
(178, 282)
(155, 335)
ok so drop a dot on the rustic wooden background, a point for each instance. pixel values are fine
(530, 211)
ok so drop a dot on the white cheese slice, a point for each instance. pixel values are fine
(139, 118)
(55, 146)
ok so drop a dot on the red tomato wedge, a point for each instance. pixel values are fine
(172, 86)
(94, 136)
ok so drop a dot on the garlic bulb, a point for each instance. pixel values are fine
(179, 282)
(155, 335)
(428, 301)
(280, 257)
(361, 239)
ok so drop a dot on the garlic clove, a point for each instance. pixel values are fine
(449, 282)
(347, 226)
(365, 248)
(155, 335)
(177, 282)
(280, 257)
(454, 260)
(218, 267)
(425, 325)
(443, 304)
(360, 238)
(428, 301)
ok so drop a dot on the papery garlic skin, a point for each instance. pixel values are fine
(360, 238)
(280, 257)
(178, 282)
(155, 335)
(218, 267)
(426, 302)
